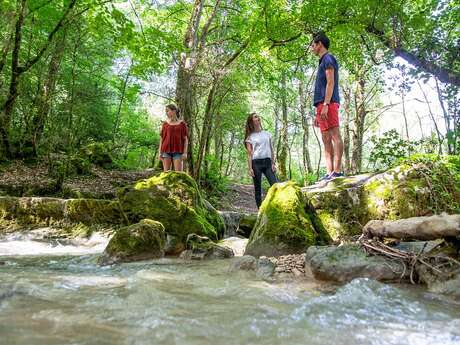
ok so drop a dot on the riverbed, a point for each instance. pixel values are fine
(56, 293)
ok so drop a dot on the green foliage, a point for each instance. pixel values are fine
(213, 183)
(389, 148)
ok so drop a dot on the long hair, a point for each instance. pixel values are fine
(249, 127)
(173, 107)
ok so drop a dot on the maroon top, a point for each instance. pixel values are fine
(173, 137)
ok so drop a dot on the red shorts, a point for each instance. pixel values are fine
(332, 117)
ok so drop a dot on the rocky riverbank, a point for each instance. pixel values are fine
(291, 236)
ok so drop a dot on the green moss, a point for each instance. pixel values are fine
(284, 224)
(330, 223)
(94, 211)
(140, 241)
(8, 207)
(421, 185)
(173, 199)
(341, 212)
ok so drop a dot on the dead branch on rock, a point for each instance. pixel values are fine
(441, 266)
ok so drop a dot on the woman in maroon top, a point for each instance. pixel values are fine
(173, 140)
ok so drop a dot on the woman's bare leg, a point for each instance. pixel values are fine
(166, 164)
(178, 165)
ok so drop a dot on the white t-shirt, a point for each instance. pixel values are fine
(260, 142)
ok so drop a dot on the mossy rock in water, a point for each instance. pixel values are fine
(201, 247)
(141, 241)
(173, 199)
(284, 224)
(421, 185)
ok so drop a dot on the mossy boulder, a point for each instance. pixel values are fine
(419, 186)
(141, 241)
(285, 225)
(74, 216)
(173, 199)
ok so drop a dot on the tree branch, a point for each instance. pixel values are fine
(37, 57)
(443, 74)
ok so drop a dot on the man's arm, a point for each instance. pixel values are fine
(329, 90)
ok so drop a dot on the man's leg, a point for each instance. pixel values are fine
(328, 151)
(338, 148)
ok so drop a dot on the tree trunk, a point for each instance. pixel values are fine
(44, 97)
(6, 109)
(282, 157)
(403, 103)
(206, 130)
(306, 128)
(346, 129)
(358, 133)
(120, 104)
(450, 150)
(430, 112)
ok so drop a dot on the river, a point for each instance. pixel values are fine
(57, 294)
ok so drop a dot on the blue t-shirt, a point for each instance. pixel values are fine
(327, 61)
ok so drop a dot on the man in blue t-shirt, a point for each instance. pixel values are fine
(326, 100)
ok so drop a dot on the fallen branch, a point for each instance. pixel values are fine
(416, 228)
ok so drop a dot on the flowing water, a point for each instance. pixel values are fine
(69, 299)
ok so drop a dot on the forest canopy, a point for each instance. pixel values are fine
(75, 73)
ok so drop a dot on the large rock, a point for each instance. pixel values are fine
(350, 261)
(422, 185)
(284, 225)
(174, 200)
(141, 241)
(37, 211)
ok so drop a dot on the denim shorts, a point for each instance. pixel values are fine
(171, 155)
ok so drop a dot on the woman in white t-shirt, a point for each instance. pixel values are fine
(260, 155)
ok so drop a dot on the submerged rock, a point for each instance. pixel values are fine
(421, 185)
(265, 268)
(448, 287)
(350, 261)
(174, 246)
(174, 200)
(245, 262)
(202, 247)
(141, 241)
(284, 225)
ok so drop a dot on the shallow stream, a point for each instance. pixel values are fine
(57, 298)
